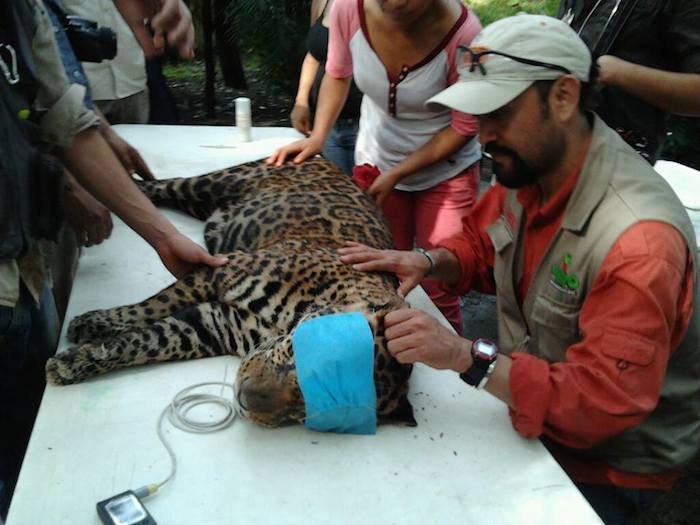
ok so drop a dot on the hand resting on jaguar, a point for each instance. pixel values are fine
(280, 228)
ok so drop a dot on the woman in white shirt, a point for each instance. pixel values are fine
(400, 53)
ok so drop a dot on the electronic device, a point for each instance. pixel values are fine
(124, 509)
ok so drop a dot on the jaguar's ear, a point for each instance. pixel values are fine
(376, 315)
(401, 415)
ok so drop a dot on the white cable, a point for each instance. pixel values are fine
(177, 412)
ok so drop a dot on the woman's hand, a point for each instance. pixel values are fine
(410, 267)
(301, 149)
(382, 187)
(301, 119)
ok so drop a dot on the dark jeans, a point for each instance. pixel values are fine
(28, 336)
(617, 505)
(340, 146)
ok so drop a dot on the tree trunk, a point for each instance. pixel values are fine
(209, 60)
(226, 49)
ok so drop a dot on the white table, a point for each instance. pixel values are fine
(463, 463)
(685, 181)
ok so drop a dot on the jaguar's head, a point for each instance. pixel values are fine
(266, 388)
(268, 392)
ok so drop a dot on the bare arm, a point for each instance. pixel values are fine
(134, 13)
(332, 96)
(441, 146)
(417, 337)
(129, 156)
(301, 113)
(409, 266)
(94, 165)
(677, 93)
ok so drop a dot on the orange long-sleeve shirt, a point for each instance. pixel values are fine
(643, 293)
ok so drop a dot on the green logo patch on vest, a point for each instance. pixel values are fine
(561, 279)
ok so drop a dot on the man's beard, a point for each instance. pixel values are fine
(520, 173)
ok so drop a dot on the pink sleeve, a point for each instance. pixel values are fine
(465, 125)
(344, 22)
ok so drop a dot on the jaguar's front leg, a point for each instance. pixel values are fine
(205, 330)
(99, 325)
(196, 196)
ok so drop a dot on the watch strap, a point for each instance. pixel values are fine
(476, 373)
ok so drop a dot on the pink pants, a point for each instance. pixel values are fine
(423, 218)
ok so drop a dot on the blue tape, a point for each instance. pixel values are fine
(334, 357)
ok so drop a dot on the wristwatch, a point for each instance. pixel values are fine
(484, 355)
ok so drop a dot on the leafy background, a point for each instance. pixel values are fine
(270, 36)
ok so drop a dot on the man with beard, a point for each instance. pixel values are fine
(592, 259)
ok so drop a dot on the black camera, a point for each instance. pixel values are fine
(90, 43)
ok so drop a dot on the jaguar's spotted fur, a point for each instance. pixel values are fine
(280, 229)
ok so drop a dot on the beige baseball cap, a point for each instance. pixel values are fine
(540, 48)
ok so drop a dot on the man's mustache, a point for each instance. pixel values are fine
(493, 149)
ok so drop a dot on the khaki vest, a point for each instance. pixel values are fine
(616, 189)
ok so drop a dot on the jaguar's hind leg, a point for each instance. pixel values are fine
(98, 325)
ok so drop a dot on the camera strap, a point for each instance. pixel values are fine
(58, 11)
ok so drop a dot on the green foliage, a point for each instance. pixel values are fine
(273, 33)
(491, 10)
(182, 71)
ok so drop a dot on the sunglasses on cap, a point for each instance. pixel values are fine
(474, 60)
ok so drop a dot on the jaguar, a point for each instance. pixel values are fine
(280, 228)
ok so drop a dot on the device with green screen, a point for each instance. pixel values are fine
(124, 509)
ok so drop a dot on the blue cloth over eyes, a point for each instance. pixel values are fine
(334, 357)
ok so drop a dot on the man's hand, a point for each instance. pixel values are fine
(417, 337)
(181, 255)
(301, 119)
(608, 67)
(174, 19)
(302, 149)
(410, 267)
(89, 219)
(129, 156)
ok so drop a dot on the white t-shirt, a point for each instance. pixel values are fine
(394, 121)
(124, 75)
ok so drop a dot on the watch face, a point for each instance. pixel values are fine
(484, 349)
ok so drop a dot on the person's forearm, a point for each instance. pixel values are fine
(94, 165)
(440, 147)
(331, 99)
(498, 385)
(134, 13)
(306, 79)
(105, 127)
(447, 268)
(677, 93)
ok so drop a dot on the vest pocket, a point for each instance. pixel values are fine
(554, 326)
(500, 234)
